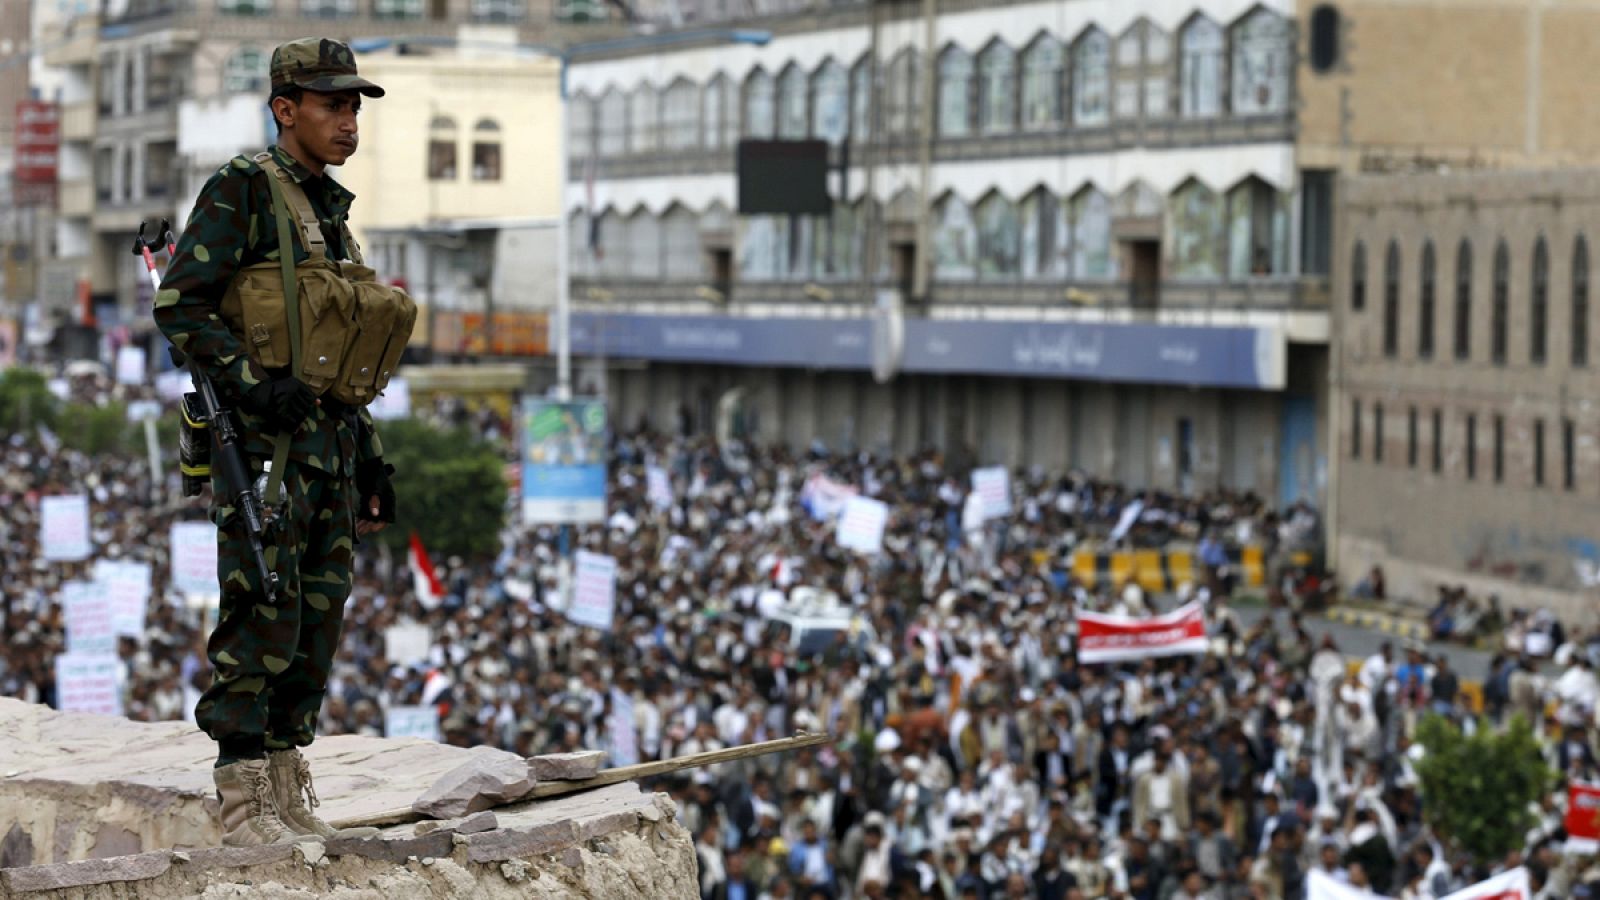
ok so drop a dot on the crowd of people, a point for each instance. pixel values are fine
(974, 758)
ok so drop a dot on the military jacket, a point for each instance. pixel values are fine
(233, 226)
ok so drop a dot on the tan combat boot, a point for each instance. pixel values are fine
(292, 790)
(249, 815)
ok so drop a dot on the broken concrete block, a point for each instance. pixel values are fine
(491, 778)
(478, 822)
(577, 766)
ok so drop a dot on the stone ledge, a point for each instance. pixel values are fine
(88, 872)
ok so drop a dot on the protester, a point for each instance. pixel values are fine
(974, 756)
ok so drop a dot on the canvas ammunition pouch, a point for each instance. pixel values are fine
(346, 332)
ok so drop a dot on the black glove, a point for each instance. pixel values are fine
(372, 480)
(285, 402)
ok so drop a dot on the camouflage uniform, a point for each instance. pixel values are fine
(271, 663)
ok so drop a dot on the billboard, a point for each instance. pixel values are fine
(38, 145)
(563, 448)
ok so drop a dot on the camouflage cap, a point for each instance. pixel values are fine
(319, 64)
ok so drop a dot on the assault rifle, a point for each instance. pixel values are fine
(225, 452)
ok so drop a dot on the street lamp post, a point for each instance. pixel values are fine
(563, 329)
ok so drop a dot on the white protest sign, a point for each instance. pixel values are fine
(194, 558)
(407, 643)
(87, 683)
(64, 527)
(87, 611)
(993, 487)
(126, 585)
(658, 487)
(862, 524)
(824, 498)
(130, 365)
(624, 737)
(59, 388)
(594, 591)
(411, 721)
(394, 402)
(171, 386)
(139, 410)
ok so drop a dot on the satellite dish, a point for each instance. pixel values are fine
(888, 336)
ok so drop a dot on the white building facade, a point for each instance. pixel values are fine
(1090, 212)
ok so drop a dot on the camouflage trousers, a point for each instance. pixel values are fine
(270, 664)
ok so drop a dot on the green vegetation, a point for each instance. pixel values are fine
(450, 488)
(1477, 791)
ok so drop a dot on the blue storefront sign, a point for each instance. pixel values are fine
(1200, 356)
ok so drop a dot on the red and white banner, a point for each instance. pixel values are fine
(1512, 885)
(1103, 638)
(1583, 817)
(424, 579)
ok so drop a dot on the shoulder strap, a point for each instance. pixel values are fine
(351, 248)
(295, 196)
(277, 178)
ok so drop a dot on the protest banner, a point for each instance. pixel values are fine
(563, 446)
(1103, 638)
(624, 737)
(824, 498)
(594, 591)
(993, 487)
(659, 487)
(87, 611)
(411, 722)
(64, 527)
(130, 365)
(126, 585)
(87, 683)
(862, 524)
(407, 644)
(1512, 885)
(194, 558)
(394, 402)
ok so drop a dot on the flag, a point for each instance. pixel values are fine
(1583, 817)
(423, 577)
(595, 249)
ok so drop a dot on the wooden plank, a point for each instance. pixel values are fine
(614, 776)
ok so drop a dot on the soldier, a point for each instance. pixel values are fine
(271, 662)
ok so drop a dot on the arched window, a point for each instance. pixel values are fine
(1201, 47)
(955, 92)
(245, 72)
(760, 105)
(1463, 333)
(902, 93)
(680, 116)
(486, 158)
(1425, 310)
(1391, 300)
(998, 237)
(680, 240)
(758, 247)
(1141, 72)
(1358, 277)
(861, 100)
(1258, 230)
(613, 133)
(1091, 236)
(1539, 308)
(1041, 83)
(1500, 305)
(718, 125)
(997, 99)
(955, 239)
(580, 127)
(836, 248)
(1091, 76)
(442, 149)
(1196, 231)
(793, 120)
(830, 103)
(643, 247)
(1580, 302)
(643, 126)
(1044, 236)
(1262, 47)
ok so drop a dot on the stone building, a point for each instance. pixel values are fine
(1464, 378)
(1086, 218)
